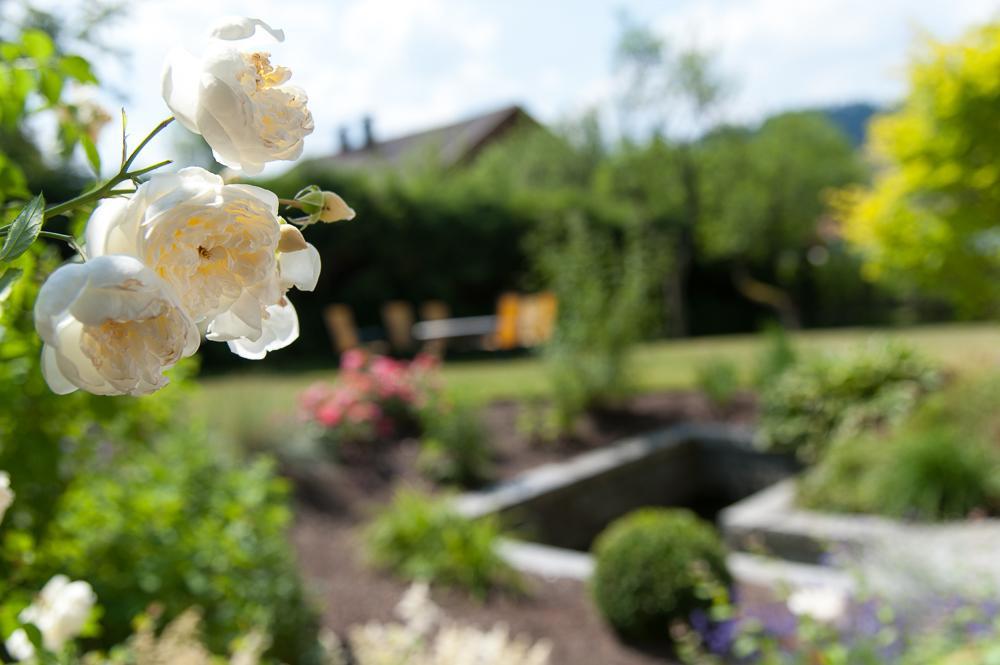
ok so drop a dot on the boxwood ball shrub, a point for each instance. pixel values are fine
(651, 565)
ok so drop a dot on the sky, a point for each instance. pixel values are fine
(413, 64)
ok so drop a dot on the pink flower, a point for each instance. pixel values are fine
(353, 360)
(329, 414)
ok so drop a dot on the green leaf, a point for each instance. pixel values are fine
(9, 52)
(77, 68)
(7, 280)
(92, 155)
(38, 45)
(51, 84)
(24, 229)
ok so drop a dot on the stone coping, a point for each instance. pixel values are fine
(891, 555)
(554, 476)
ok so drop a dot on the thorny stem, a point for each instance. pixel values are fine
(108, 188)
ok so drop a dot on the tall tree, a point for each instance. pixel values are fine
(762, 197)
(930, 221)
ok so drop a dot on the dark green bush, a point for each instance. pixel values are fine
(942, 463)
(171, 525)
(455, 447)
(420, 537)
(719, 379)
(651, 567)
(827, 396)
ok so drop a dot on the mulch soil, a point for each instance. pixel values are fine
(334, 501)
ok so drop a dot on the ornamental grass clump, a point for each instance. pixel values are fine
(941, 463)
(654, 567)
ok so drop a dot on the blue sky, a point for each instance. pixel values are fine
(417, 63)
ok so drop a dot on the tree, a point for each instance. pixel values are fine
(930, 220)
(660, 88)
(762, 199)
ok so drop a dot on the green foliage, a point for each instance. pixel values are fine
(824, 397)
(719, 379)
(777, 355)
(942, 463)
(602, 288)
(455, 446)
(929, 220)
(652, 567)
(420, 537)
(171, 525)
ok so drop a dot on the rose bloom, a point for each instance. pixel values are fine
(217, 245)
(59, 613)
(237, 100)
(6, 494)
(111, 326)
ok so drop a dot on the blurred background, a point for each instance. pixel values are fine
(576, 222)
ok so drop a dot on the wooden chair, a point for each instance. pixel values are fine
(536, 318)
(435, 310)
(397, 316)
(508, 308)
(340, 325)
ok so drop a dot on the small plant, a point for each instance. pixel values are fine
(455, 446)
(719, 379)
(374, 397)
(652, 568)
(776, 355)
(820, 399)
(420, 537)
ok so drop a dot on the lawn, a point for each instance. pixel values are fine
(251, 406)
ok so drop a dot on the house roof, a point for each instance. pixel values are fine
(451, 144)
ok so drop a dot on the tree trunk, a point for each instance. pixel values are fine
(768, 295)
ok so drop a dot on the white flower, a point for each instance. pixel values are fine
(6, 494)
(237, 100)
(824, 604)
(110, 327)
(217, 245)
(59, 613)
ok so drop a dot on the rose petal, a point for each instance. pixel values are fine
(181, 77)
(280, 328)
(300, 269)
(241, 27)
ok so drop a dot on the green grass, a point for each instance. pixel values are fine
(242, 406)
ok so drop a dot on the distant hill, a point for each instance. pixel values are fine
(852, 119)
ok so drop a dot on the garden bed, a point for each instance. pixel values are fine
(336, 500)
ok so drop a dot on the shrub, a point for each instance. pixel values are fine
(941, 464)
(455, 446)
(776, 355)
(719, 379)
(603, 308)
(374, 397)
(420, 537)
(171, 525)
(827, 396)
(651, 566)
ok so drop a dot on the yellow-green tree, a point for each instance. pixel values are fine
(931, 219)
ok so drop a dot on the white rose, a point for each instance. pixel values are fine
(59, 613)
(215, 244)
(237, 100)
(110, 327)
(6, 494)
